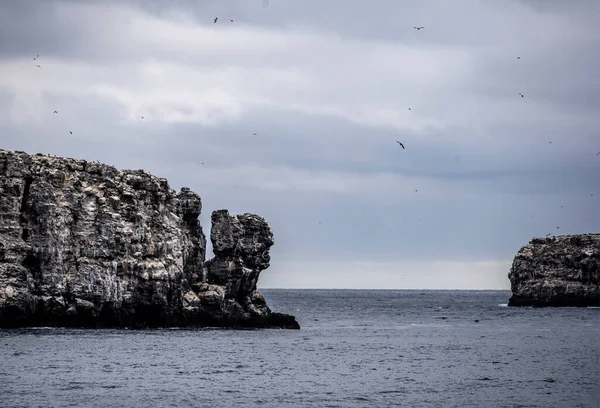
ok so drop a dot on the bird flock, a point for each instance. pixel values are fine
(265, 3)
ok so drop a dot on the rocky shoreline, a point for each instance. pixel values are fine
(557, 271)
(85, 245)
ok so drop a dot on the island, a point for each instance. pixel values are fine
(557, 271)
(83, 244)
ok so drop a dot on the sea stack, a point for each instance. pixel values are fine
(85, 245)
(557, 271)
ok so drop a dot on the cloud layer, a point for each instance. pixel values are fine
(292, 111)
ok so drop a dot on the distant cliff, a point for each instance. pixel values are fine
(85, 245)
(558, 271)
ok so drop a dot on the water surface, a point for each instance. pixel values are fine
(355, 349)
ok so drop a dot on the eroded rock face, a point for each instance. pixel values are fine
(83, 244)
(558, 271)
(241, 246)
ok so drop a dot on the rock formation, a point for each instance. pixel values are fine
(85, 245)
(557, 271)
(241, 246)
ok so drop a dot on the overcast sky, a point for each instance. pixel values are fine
(295, 108)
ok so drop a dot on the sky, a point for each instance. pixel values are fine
(292, 111)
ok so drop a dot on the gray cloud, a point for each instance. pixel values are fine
(326, 87)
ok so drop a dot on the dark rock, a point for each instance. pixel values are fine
(241, 246)
(557, 271)
(85, 245)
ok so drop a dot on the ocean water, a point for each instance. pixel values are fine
(355, 349)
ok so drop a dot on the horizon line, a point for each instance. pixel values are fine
(388, 289)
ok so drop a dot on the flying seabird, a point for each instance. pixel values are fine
(400, 144)
(36, 57)
(518, 57)
(418, 28)
(597, 153)
(416, 191)
(142, 117)
(521, 94)
(39, 66)
(55, 111)
(70, 132)
(215, 20)
(231, 20)
(253, 134)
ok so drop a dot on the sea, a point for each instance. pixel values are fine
(356, 348)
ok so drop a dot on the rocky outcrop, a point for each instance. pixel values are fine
(85, 245)
(557, 271)
(241, 246)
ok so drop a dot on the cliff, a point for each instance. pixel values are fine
(557, 271)
(85, 245)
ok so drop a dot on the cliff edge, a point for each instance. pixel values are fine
(85, 245)
(557, 271)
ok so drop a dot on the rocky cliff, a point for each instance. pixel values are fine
(85, 245)
(557, 271)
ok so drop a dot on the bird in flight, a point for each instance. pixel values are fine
(36, 57)
(70, 132)
(521, 94)
(215, 20)
(400, 144)
(142, 117)
(597, 153)
(418, 28)
(39, 66)
(55, 111)
(231, 20)
(518, 57)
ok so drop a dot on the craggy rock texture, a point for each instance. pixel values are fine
(85, 245)
(241, 246)
(557, 271)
